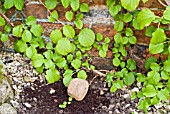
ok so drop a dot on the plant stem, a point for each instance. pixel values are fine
(50, 12)
(162, 3)
(6, 18)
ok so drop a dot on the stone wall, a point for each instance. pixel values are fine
(98, 19)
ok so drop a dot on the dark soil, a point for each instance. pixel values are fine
(95, 102)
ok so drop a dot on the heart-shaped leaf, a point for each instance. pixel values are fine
(52, 75)
(86, 37)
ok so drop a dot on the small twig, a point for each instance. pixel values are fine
(50, 12)
(162, 3)
(96, 72)
(6, 18)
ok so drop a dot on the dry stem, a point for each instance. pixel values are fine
(50, 12)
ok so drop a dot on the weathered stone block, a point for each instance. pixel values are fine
(7, 109)
(78, 88)
(6, 92)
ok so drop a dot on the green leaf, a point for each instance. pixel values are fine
(118, 38)
(84, 7)
(163, 94)
(19, 4)
(153, 77)
(113, 88)
(110, 2)
(99, 37)
(125, 40)
(69, 15)
(68, 31)
(118, 26)
(4, 37)
(41, 42)
(68, 73)
(54, 15)
(158, 36)
(116, 61)
(140, 77)
(109, 78)
(86, 37)
(167, 65)
(82, 74)
(79, 15)
(63, 46)
(8, 4)
(129, 79)
(37, 60)
(51, 4)
(119, 84)
(52, 75)
(76, 63)
(75, 5)
(21, 45)
(132, 40)
(31, 20)
(131, 64)
(105, 47)
(149, 91)
(17, 31)
(26, 36)
(30, 51)
(130, 4)
(66, 80)
(70, 57)
(129, 32)
(150, 30)
(49, 64)
(143, 105)
(135, 24)
(40, 69)
(144, 1)
(61, 62)
(78, 55)
(166, 13)
(102, 53)
(48, 54)
(49, 45)
(156, 48)
(149, 61)
(133, 96)
(36, 30)
(127, 17)
(107, 40)
(145, 17)
(164, 75)
(78, 23)
(56, 35)
(114, 10)
(56, 57)
(65, 3)
(154, 100)
(154, 66)
(7, 28)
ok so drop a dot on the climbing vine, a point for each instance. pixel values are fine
(67, 49)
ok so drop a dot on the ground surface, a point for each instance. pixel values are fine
(32, 93)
